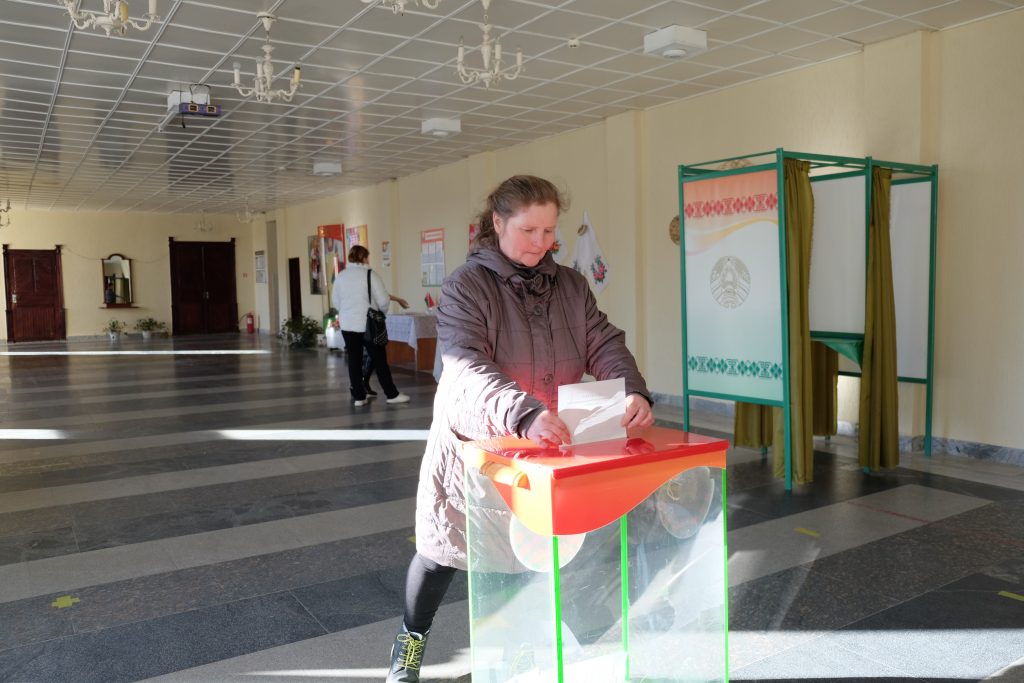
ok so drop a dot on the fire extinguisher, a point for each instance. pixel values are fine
(250, 323)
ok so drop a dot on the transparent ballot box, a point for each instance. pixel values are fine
(603, 562)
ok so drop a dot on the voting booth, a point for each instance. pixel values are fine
(735, 305)
(600, 562)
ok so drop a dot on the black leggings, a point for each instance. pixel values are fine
(425, 586)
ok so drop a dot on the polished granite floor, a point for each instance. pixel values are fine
(215, 509)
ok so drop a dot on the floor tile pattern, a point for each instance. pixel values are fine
(144, 541)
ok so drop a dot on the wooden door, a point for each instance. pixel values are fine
(294, 288)
(34, 295)
(203, 296)
(219, 278)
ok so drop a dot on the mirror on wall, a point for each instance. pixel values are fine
(117, 281)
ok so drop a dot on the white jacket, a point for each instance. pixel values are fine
(351, 298)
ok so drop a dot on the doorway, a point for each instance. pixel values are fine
(34, 295)
(203, 297)
(294, 289)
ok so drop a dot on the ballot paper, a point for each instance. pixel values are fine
(593, 411)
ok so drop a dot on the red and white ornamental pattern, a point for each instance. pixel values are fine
(731, 206)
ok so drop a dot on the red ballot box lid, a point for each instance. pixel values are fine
(581, 488)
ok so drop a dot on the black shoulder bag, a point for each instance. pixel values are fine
(376, 327)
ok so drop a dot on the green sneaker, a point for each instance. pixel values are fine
(406, 657)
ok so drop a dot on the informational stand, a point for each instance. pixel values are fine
(603, 562)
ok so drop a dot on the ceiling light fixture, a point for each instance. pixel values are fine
(5, 219)
(247, 216)
(398, 6)
(492, 71)
(327, 167)
(114, 17)
(675, 42)
(440, 128)
(265, 71)
(201, 225)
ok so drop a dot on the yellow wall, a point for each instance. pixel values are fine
(979, 319)
(87, 238)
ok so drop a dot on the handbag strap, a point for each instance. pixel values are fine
(369, 292)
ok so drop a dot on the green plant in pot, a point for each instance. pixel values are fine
(114, 328)
(300, 332)
(147, 326)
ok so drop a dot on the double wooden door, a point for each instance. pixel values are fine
(34, 294)
(203, 297)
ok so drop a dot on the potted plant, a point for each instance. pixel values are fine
(300, 332)
(114, 328)
(147, 326)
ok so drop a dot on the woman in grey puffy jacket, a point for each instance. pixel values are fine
(513, 325)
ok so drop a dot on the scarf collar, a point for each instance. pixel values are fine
(536, 280)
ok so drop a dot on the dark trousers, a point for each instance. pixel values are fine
(425, 586)
(354, 346)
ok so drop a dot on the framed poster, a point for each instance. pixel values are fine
(432, 257)
(333, 250)
(357, 234)
(385, 253)
(261, 267)
(316, 260)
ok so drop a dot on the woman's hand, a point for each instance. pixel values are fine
(400, 301)
(638, 412)
(548, 429)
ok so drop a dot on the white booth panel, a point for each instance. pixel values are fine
(910, 236)
(838, 256)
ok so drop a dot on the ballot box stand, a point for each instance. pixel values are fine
(602, 562)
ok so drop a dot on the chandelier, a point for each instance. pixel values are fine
(201, 225)
(5, 218)
(490, 51)
(265, 71)
(246, 216)
(398, 6)
(114, 17)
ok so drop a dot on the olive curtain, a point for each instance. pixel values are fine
(825, 380)
(879, 396)
(757, 425)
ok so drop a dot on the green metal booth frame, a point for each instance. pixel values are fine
(758, 370)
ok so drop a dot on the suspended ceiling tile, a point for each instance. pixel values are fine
(774, 64)
(841, 21)
(632, 64)
(724, 79)
(781, 39)
(406, 68)
(681, 70)
(628, 37)
(684, 90)
(826, 49)
(787, 11)
(731, 28)
(958, 13)
(693, 15)
(886, 31)
(729, 56)
(903, 7)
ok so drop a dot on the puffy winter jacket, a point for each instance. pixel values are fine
(509, 337)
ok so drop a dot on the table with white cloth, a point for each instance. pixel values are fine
(412, 339)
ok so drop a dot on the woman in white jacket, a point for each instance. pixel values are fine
(356, 289)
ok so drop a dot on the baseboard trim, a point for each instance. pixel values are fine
(908, 443)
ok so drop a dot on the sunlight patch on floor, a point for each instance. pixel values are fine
(323, 434)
